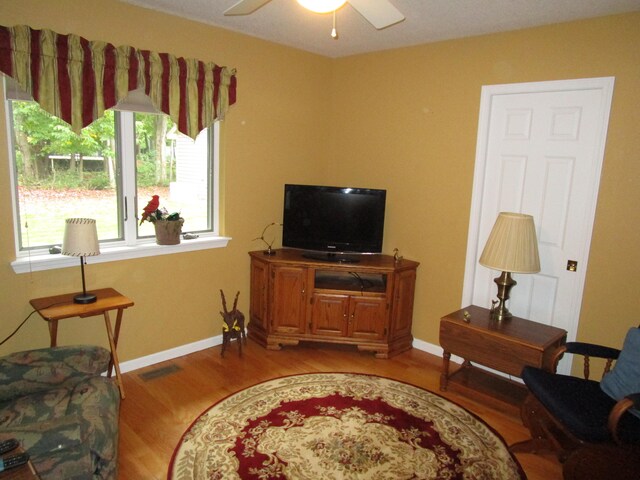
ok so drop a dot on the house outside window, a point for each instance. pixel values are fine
(108, 173)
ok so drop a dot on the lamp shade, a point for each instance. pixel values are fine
(512, 245)
(322, 6)
(80, 238)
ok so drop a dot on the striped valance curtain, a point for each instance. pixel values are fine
(77, 80)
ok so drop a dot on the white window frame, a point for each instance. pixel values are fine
(31, 260)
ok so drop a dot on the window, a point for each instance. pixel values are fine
(109, 173)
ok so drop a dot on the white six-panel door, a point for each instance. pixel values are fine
(540, 151)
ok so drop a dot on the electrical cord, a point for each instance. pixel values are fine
(25, 321)
(364, 283)
(18, 328)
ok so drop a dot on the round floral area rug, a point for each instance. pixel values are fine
(340, 426)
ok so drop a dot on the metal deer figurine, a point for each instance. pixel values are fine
(233, 327)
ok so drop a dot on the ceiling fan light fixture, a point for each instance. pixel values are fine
(322, 6)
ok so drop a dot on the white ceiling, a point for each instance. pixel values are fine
(286, 22)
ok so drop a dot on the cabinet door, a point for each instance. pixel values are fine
(402, 314)
(289, 299)
(259, 282)
(329, 314)
(367, 317)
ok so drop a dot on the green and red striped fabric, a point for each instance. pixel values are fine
(77, 80)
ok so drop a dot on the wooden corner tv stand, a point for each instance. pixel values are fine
(368, 303)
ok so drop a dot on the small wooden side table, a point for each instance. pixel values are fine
(506, 346)
(60, 307)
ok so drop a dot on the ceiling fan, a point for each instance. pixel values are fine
(379, 13)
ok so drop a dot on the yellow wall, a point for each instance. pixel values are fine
(404, 120)
(410, 116)
(276, 133)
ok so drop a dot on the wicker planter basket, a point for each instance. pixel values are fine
(168, 231)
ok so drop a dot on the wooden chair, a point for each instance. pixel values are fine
(565, 413)
(603, 462)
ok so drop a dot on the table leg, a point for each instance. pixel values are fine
(53, 332)
(116, 335)
(114, 353)
(444, 376)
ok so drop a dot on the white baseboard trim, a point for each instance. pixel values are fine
(427, 347)
(183, 350)
(433, 350)
(170, 354)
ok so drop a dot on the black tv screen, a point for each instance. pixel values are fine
(333, 219)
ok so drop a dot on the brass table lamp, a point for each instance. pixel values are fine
(512, 247)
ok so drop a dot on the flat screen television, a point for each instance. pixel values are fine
(333, 223)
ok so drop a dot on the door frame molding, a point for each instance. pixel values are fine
(488, 92)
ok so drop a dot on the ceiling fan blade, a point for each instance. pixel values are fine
(245, 7)
(379, 13)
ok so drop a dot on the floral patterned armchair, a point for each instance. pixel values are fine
(63, 412)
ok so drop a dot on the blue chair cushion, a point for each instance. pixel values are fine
(624, 378)
(580, 405)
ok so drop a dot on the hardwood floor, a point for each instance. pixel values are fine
(163, 400)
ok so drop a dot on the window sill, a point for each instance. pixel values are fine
(35, 263)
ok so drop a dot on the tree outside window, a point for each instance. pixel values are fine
(59, 174)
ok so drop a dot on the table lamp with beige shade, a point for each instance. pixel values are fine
(512, 247)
